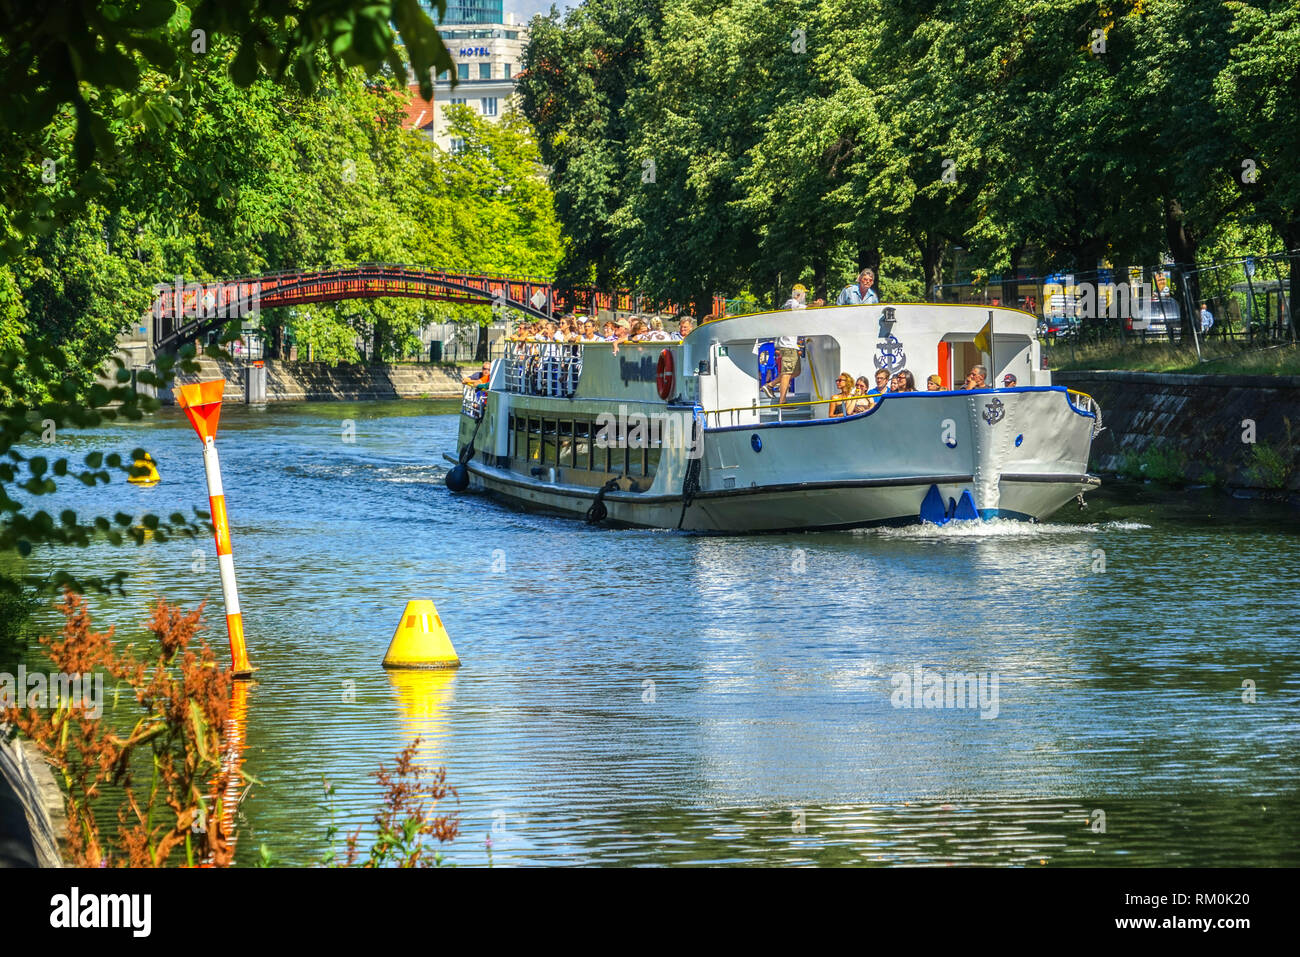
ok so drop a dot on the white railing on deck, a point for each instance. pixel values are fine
(543, 368)
(473, 402)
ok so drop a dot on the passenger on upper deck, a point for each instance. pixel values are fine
(976, 378)
(798, 298)
(478, 378)
(934, 384)
(685, 326)
(1008, 381)
(882, 382)
(656, 332)
(860, 292)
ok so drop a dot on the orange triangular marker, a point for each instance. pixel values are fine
(202, 403)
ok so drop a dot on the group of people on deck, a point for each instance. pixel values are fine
(574, 328)
(854, 396)
(857, 395)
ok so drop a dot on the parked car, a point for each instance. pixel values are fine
(1160, 315)
(1057, 327)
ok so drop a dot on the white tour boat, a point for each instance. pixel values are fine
(684, 434)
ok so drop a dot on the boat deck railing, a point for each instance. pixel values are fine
(1081, 401)
(543, 368)
(473, 402)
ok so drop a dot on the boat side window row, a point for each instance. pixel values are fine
(576, 446)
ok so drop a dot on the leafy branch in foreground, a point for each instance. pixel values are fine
(38, 398)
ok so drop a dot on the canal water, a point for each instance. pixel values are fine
(640, 697)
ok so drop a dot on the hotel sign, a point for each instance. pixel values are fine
(475, 51)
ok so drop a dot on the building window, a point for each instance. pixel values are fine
(485, 71)
(507, 71)
(462, 71)
(457, 144)
(456, 101)
(489, 106)
(444, 76)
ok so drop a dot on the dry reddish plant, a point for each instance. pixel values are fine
(184, 696)
(411, 794)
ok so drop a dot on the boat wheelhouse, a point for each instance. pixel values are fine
(690, 435)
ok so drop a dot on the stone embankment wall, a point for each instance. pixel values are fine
(317, 381)
(1198, 420)
(32, 819)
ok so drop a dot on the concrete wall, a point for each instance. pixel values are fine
(316, 381)
(1199, 416)
(32, 818)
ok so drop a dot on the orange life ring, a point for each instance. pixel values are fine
(664, 374)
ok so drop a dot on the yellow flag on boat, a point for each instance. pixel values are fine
(984, 338)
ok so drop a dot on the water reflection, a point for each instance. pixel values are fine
(424, 698)
(655, 697)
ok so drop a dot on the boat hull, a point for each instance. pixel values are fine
(798, 507)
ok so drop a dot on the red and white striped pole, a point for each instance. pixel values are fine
(202, 404)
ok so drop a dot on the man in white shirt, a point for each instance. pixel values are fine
(861, 293)
(1207, 318)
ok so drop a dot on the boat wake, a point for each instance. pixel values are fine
(998, 528)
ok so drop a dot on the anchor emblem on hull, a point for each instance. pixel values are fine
(994, 411)
(892, 357)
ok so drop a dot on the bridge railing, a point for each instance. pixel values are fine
(543, 368)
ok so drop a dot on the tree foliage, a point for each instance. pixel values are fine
(809, 138)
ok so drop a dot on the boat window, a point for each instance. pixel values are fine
(566, 443)
(652, 461)
(550, 446)
(534, 439)
(582, 444)
(636, 461)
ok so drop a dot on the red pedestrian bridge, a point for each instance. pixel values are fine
(183, 311)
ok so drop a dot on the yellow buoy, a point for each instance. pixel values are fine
(420, 640)
(151, 477)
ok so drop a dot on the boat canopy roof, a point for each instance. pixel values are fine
(924, 320)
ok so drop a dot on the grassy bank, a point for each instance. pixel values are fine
(1219, 358)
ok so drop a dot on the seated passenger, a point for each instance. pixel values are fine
(609, 331)
(656, 332)
(844, 390)
(934, 384)
(976, 378)
(903, 382)
(1008, 381)
(685, 326)
(589, 333)
(860, 401)
(882, 382)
